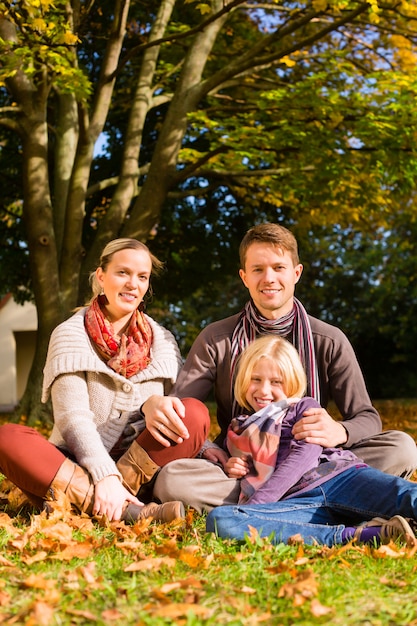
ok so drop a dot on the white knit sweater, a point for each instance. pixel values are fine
(92, 404)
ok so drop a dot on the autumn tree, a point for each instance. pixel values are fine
(304, 108)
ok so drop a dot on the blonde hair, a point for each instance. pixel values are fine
(272, 234)
(116, 245)
(284, 356)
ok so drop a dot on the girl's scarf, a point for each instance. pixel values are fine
(126, 355)
(295, 326)
(256, 438)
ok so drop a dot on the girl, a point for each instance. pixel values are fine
(289, 486)
(103, 363)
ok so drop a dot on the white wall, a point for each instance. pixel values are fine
(18, 326)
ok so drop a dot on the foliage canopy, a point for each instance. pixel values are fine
(182, 123)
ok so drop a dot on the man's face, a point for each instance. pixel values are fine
(270, 276)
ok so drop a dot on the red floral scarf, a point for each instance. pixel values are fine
(127, 354)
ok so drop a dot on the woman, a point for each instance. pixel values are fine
(289, 486)
(102, 365)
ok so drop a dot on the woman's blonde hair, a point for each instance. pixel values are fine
(116, 245)
(284, 356)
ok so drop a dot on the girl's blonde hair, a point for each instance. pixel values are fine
(284, 356)
(116, 245)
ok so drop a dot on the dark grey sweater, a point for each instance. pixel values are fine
(207, 367)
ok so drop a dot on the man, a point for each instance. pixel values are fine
(270, 269)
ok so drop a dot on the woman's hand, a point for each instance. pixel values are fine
(164, 419)
(236, 467)
(110, 498)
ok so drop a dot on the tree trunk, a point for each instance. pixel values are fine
(37, 211)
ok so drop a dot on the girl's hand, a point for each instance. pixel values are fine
(236, 467)
(110, 498)
(216, 455)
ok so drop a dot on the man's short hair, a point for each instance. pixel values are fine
(272, 234)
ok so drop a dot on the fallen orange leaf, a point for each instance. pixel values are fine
(318, 609)
(81, 550)
(151, 564)
(42, 614)
(390, 550)
(37, 581)
(5, 562)
(39, 556)
(85, 614)
(305, 586)
(5, 598)
(111, 614)
(182, 609)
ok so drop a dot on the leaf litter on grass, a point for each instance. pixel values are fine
(50, 536)
(53, 562)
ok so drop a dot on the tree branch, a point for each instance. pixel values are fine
(112, 182)
(251, 60)
(216, 173)
(6, 122)
(190, 169)
(227, 8)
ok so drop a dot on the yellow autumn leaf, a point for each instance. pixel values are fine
(335, 119)
(288, 61)
(46, 4)
(39, 24)
(204, 8)
(70, 39)
(320, 5)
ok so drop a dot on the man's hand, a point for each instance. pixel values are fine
(317, 426)
(164, 419)
(216, 455)
(236, 467)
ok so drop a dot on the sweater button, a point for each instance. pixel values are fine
(127, 388)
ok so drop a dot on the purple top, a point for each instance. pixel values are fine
(301, 466)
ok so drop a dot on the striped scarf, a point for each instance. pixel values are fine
(256, 439)
(295, 326)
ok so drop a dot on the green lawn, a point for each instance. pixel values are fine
(63, 569)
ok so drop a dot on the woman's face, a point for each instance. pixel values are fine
(125, 282)
(266, 385)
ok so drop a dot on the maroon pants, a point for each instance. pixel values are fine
(31, 462)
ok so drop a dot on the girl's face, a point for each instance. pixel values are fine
(125, 282)
(266, 385)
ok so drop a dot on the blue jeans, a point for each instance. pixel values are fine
(321, 514)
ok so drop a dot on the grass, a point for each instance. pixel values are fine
(64, 569)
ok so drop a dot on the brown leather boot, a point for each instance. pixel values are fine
(167, 512)
(76, 483)
(136, 468)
